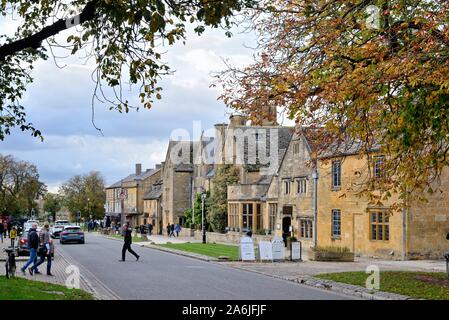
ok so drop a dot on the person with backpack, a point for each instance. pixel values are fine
(127, 234)
(33, 244)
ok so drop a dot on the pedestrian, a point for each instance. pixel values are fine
(33, 244)
(168, 230)
(1, 231)
(5, 228)
(150, 228)
(44, 249)
(13, 236)
(9, 227)
(172, 230)
(127, 230)
(177, 229)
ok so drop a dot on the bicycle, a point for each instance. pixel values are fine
(10, 264)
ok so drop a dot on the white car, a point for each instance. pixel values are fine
(27, 225)
(58, 227)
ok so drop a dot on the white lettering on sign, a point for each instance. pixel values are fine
(278, 248)
(247, 249)
(265, 250)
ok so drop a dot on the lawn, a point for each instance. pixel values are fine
(421, 285)
(207, 249)
(23, 289)
(135, 239)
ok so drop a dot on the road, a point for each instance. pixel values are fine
(161, 275)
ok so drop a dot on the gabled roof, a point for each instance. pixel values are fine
(156, 191)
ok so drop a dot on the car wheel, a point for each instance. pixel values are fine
(83, 242)
(61, 242)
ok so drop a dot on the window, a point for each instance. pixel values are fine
(306, 228)
(248, 215)
(336, 223)
(302, 185)
(380, 226)
(259, 217)
(336, 174)
(272, 211)
(286, 186)
(296, 148)
(379, 167)
(233, 215)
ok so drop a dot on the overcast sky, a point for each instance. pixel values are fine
(59, 104)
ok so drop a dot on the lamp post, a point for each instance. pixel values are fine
(203, 197)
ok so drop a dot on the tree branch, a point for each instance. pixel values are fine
(35, 41)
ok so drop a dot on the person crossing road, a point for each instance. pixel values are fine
(127, 233)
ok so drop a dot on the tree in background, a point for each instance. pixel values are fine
(217, 216)
(85, 194)
(121, 37)
(188, 214)
(52, 204)
(19, 187)
(371, 73)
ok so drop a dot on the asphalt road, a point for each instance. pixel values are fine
(161, 275)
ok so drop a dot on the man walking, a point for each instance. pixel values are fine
(128, 240)
(33, 244)
(177, 229)
(44, 239)
(1, 231)
(172, 230)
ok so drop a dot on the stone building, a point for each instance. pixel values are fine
(177, 176)
(153, 207)
(125, 198)
(257, 151)
(346, 219)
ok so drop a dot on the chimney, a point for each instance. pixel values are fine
(158, 166)
(237, 120)
(138, 169)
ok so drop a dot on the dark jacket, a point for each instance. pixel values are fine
(128, 237)
(1, 228)
(33, 239)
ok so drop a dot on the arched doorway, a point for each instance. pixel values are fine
(287, 212)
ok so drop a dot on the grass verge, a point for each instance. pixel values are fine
(208, 249)
(420, 285)
(23, 289)
(135, 239)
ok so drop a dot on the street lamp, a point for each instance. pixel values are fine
(203, 197)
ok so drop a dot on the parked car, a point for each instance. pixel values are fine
(23, 245)
(72, 234)
(58, 227)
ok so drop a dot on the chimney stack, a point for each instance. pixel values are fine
(138, 169)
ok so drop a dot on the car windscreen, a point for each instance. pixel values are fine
(61, 223)
(72, 230)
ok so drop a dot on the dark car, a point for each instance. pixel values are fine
(72, 234)
(23, 245)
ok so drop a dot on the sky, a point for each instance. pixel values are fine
(58, 103)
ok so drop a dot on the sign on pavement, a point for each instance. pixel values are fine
(246, 249)
(296, 251)
(265, 250)
(278, 248)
